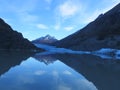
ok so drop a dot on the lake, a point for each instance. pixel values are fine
(26, 71)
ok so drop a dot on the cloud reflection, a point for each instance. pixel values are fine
(66, 72)
(40, 72)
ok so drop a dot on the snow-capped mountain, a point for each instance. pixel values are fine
(45, 40)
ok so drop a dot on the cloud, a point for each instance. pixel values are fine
(27, 18)
(42, 26)
(69, 28)
(61, 87)
(68, 8)
(57, 26)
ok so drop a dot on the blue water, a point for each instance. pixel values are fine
(21, 71)
(34, 75)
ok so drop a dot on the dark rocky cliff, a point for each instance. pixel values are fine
(13, 40)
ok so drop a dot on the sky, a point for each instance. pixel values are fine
(58, 18)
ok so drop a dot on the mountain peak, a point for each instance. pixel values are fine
(45, 40)
(47, 35)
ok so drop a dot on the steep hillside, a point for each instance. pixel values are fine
(13, 40)
(103, 32)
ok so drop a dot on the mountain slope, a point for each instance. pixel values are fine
(11, 40)
(45, 40)
(104, 32)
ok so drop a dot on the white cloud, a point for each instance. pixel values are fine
(69, 28)
(27, 18)
(57, 26)
(68, 8)
(42, 26)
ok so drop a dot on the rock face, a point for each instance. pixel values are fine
(45, 40)
(104, 32)
(10, 39)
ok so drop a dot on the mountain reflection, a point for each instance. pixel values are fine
(46, 59)
(9, 59)
(104, 73)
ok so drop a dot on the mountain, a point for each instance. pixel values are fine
(103, 32)
(45, 40)
(12, 58)
(13, 40)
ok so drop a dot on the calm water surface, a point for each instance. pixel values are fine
(57, 72)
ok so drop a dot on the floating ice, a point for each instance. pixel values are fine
(105, 53)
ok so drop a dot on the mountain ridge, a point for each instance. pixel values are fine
(103, 32)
